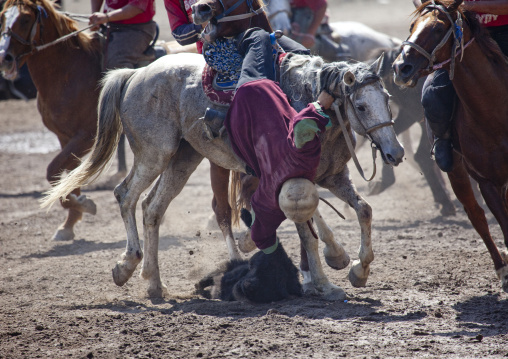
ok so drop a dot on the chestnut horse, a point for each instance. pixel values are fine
(66, 75)
(479, 72)
(67, 94)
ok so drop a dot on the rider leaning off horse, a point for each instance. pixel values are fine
(438, 95)
(272, 160)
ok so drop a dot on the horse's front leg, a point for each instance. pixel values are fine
(316, 283)
(75, 203)
(335, 254)
(342, 186)
(495, 200)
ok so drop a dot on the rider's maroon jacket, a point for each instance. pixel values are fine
(260, 125)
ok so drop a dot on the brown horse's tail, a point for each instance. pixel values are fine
(109, 129)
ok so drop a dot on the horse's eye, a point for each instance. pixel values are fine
(360, 108)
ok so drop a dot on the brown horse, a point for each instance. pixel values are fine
(66, 75)
(479, 72)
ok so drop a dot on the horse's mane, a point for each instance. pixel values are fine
(64, 25)
(320, 76)
(488, 46)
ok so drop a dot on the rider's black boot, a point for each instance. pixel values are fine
(213, 123)
(442, 149)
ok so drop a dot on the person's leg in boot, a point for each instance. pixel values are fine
(438, 100)
(257, 51)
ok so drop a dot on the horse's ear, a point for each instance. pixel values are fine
(417, 3)
(378, 64)
(349, 78)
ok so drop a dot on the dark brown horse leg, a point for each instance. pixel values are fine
(220, 181)
(461, 185)
(434, 176)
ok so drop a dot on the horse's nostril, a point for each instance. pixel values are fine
(8, 58)
(406, 69)
(203, 9)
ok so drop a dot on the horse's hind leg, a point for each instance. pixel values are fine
(335, 255)
(169, 185)
(127, 194)
(461, 185)
(342, 186)
(319, 283)
(220, 181)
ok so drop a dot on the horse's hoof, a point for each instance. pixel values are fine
(157, 291)
(336, 262)
(334, 294)
(246, 244)
(309, 289)
(121, 274)
(502, 274)
(329, 292)
(63, 234)
(87, 205)
(448, 210)
(358, 275)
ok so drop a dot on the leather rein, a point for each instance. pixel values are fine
(456, 29)
(40, 13)
(341, 113)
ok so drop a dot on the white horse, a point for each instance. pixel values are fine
(159, 108)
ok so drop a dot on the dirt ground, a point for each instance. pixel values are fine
(432, 290)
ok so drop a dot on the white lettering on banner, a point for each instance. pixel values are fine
(486, 18)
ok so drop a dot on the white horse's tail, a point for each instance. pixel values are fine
(109, 130)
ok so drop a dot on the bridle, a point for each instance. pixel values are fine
(456, 29)
(40, 13)
(341, 113)
(225, 17)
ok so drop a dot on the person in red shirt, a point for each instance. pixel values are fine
(130, 30)
(438, 94)
(183, 29)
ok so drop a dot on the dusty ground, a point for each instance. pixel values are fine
(432, 291)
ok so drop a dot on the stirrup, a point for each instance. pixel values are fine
(213, 123)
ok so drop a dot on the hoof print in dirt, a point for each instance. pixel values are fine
(264, 278)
